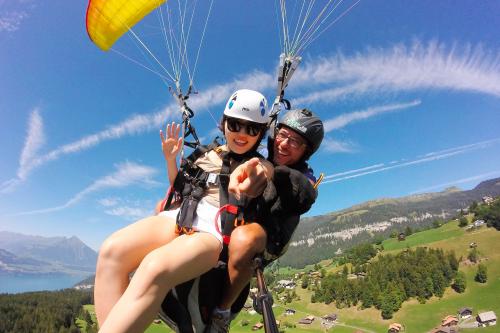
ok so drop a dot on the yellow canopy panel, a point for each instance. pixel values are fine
(108, 20)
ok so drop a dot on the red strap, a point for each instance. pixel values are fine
(232, 209)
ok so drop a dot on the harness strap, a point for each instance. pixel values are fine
(226, 208)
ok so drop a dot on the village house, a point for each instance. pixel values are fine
(257, 326)
(401, 236)
(395, 328)
(449, 321)
(361, 275)
(315, 275)
(330, 318)
(488, 200)
(287, 284)
(465, 313)
(478, 223)
(447, 329)
(289, 312)
(307, 320)
(486, 319)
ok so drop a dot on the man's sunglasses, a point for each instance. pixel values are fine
(252, 129)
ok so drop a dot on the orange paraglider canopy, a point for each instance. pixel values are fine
(108, 20)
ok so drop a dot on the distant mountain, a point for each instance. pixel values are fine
(320, 237)
(36, 254)
(10, 263)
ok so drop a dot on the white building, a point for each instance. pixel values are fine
(486, 319)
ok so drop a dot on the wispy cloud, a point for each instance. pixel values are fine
(130, 213)
(375, 166)
(398, 69)
(11, 21)
(348, 118)
(434, 156)
(35, 139)
(130, 210)
(14, 13)
(126, 174)
(403, 68)
(138, 124)
(334, 146)
(475, 178)
(108, 202)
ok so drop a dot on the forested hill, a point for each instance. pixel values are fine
(320, 237)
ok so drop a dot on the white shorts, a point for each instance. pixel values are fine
(204, 220)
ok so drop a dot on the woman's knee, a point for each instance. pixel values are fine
(111, 250)
(247, 241)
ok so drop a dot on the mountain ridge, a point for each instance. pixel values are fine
(30, 254)
(320, 237)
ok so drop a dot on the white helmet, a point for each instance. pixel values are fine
(248, 105)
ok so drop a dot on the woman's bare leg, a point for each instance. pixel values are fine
(182, 259)
(121, 254)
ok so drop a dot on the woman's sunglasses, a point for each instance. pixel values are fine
(252, 129)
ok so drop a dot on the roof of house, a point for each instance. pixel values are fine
(395, 326)
(258, 326)
(447, 329)
(465, 309)
(332, 316)
(305, 321)
(487, 316)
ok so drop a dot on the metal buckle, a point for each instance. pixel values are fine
(212, 178)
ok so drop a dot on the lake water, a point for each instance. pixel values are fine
(23, 283)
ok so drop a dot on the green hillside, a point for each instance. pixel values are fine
(423, 317)
(318, 237)
(416, 317)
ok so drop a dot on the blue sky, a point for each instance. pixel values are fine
(409, 92)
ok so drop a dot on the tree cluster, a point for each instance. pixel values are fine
(391, 280)
(489, 213)
(43, 312)
(359, 254)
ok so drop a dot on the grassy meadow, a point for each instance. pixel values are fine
(416, 317)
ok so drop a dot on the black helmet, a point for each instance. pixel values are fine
(307, 124)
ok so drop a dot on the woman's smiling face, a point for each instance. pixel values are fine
(240, 141)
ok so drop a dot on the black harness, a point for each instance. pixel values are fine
(191, 183)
